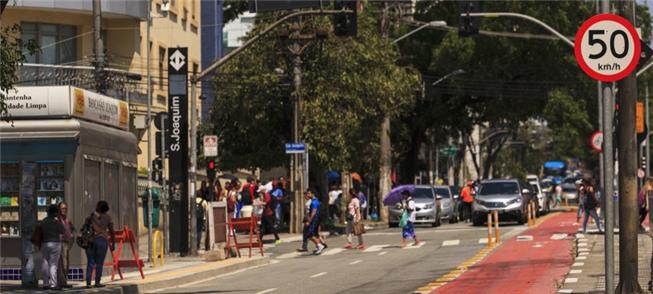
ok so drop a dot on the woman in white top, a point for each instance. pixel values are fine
(408, 231)
(353, 218)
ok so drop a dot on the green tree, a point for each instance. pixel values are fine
(345, 87)
(570, 125)
(11, 57)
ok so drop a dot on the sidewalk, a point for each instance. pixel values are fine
(534, 262)
(587, 274)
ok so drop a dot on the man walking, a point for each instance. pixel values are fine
(467, 197)
(66, 244)
(313, 222)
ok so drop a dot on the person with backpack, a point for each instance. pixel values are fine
(200, 215)
(590, 203)
(101, 226)
(51, 229)
(410, 212)
(363, 199)
(247, 195)
(268, 223)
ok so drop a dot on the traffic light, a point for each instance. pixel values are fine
(468, 25)
(157, 170)
(211, 170)
(345, 23)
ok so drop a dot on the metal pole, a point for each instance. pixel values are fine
(99, 47)
(648, 141)
(608, 162)
(437, 164)
(149, 133)
(164, 187)
(193, 164)
(601, 163)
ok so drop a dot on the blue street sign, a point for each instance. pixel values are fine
(294, 148)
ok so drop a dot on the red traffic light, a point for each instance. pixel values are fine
(211, 164)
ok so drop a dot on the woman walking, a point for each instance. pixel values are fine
(102, 226)
(408, 230)
(353, 219)
(642, 203)
(590, 203)
(52, 230)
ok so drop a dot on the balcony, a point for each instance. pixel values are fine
(111, 9)
(120, 84)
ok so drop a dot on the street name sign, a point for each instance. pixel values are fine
(596, 141)
(294, 148)
(210, 146)
(607, 47)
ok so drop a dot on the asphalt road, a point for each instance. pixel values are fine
(384, 267)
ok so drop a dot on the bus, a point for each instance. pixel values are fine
(554, 170)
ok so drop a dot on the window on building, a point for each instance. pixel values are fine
(57, 43)
(162, 63)
(161, 99)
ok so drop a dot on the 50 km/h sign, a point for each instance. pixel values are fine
(607, 47)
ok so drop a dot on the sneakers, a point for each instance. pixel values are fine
(348, 246)
(319, 249)
(361, 247)
(277, 242)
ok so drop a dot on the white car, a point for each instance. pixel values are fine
(543, 204)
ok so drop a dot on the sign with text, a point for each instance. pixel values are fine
(639, 115)
(294, 148)
(177, 143)
(210, 146)
(607, 47)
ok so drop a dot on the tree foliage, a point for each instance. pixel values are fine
(11, 58)
(348, 84)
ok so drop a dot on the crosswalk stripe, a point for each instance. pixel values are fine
(333, 251)
(451, 243)
(383, 253)
(355, 262)
(319, 275)
(415, 247)
(484, 240)
(525, 238)
(376, 248)
(289, 255)
(558, 236)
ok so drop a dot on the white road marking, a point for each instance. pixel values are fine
(319, 275)
(576, 271)
(376, 248)
(525, 238)
(333, 251)
(558, 236)
(584, 244)
(578, 264)
(451, 243)
(411, 246)
(538, 246)
(484, 240)
(583, 253)
(355, 262)
(571, 280)
(289, 255)
(383, 253)
(267, 291)
(566, 291)
(583, 250)
(581, 258)
(579, 235)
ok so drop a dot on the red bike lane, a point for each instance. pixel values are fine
(523, 266)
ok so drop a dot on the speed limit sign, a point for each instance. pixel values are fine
(596, 141)
(607, 47)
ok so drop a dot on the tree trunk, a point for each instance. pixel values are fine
(385, 169)
(629, 218)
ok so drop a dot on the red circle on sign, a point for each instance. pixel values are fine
(597, 148)
(579, 37)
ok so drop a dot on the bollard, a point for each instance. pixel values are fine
(534, 211)
(496, 227)
(157, 236)
(489, 229)
(528, 213)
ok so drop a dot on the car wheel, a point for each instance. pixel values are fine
(477, 221)
(393, 225)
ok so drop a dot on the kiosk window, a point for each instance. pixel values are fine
(49, 185)
(9, 195)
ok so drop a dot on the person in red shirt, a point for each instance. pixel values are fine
(467, 199)
(268, 224)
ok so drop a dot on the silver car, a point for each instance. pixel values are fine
(427, 204)
(509, 197)
(448, 205)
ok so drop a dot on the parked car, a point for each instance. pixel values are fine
(448, 205)
(427, 204)
(542, 200)
(510, 197)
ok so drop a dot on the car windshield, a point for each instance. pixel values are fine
(534, 188)
(443, 192)
(423, 193)
(568, 190)
(501, 188)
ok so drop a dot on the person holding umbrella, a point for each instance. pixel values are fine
(408, 230)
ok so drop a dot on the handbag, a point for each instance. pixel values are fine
(37, 236)
(87, 234)
(359, 229)
(404, 219)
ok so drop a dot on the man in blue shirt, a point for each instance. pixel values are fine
(313, 222)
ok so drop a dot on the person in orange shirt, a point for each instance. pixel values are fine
(467, 199)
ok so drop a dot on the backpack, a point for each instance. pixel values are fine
(274, 202)
(87, 234)
(246, 195)
(37, 236)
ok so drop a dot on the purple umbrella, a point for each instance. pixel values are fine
(395, 197)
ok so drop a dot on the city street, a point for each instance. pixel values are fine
(383, 267)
